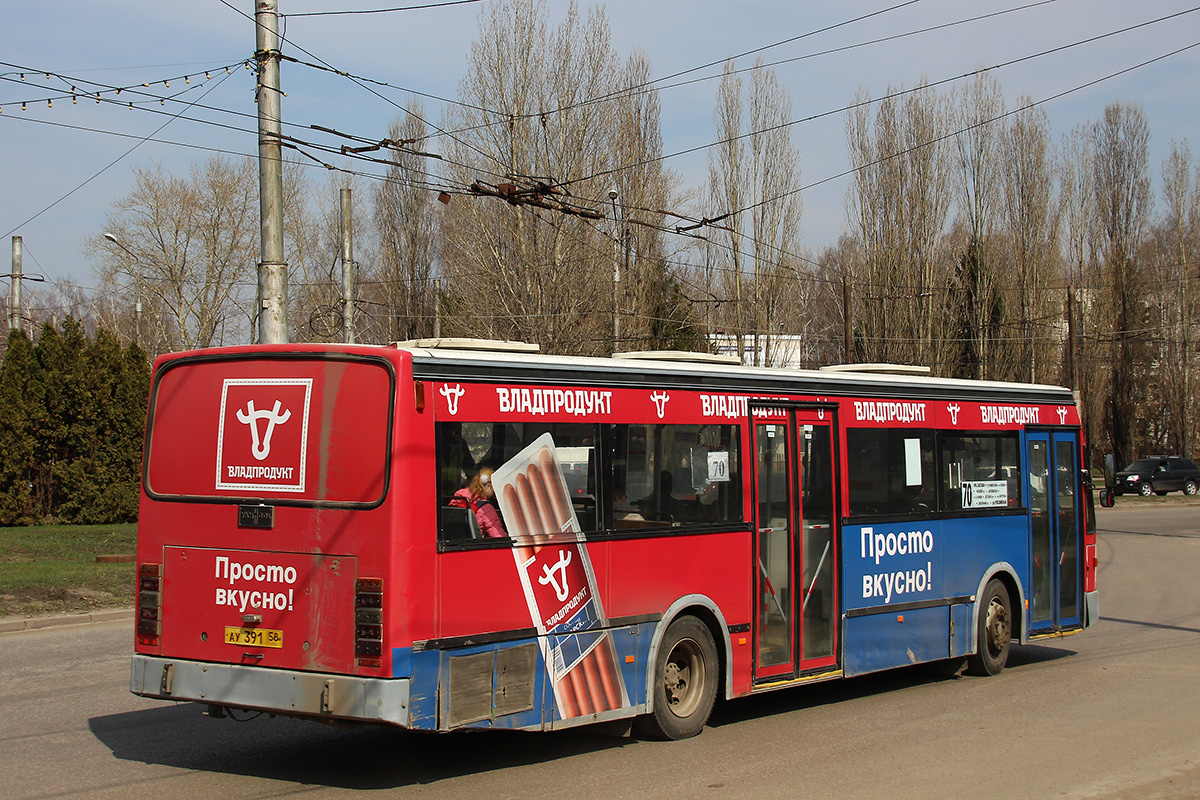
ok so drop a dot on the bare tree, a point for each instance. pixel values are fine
(980, 190)
(313, 224)
(515, 270)
(898, 202)
(1121, 175)
(1080, 247)
(1031, 226)
(754, 183)
(406, 221)
(726, 182)
(1180, 231)
(659, 316)
(188, 246)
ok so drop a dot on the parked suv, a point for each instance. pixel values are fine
(1158, 475)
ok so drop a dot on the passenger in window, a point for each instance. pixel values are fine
(915, 497)
(625, 510)
(454, 458)
(480, 497)
(661, 504)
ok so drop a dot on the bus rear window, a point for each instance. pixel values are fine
(288, 430)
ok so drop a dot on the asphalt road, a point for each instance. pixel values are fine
(1112, 712)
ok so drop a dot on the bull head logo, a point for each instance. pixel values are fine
(262, 448)
(660, 402)
(452, 395)
(954, 408)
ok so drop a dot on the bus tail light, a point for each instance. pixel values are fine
(149, 605)
(368, 622)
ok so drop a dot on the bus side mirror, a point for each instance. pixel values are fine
(1107, 498)
(1110, 471)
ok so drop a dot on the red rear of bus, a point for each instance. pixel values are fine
(265, 478)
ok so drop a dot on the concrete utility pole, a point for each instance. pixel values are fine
(14, 293)
(347, 269)
(272, 269)
(847, 322)
(619, 235)
(437, 308)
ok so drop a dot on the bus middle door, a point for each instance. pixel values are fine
(796, 606)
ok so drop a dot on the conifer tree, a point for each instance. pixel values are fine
(60, 354)
(22, 417)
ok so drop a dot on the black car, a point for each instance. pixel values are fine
(1158, 475)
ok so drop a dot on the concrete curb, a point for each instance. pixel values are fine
(14, 624)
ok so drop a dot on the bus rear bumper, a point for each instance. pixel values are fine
(312, 695)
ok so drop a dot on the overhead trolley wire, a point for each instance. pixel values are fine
(901, 93)
(952, 134)
(380, 10)
(643, 88)
(112, 163)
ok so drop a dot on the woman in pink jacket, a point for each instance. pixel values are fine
(480, 496)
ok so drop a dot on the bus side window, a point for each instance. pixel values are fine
(675, 475)
(465, 448)
(891, 471)
(980, 471)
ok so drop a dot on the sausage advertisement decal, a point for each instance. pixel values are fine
(560, 587)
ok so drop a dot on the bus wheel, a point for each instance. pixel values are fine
(994, 630)
(685, 682)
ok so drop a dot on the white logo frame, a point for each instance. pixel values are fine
(296, 486)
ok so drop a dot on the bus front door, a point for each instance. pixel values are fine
(1055, 516)
(796, 607)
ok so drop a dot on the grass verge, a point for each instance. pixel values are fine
(52, 568)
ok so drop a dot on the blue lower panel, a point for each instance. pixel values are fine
(884, 641)
(430, 694)
(962, 632)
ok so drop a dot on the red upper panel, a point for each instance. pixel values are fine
(469, 401)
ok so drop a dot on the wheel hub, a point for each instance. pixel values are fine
(675, 679)
(999, 630)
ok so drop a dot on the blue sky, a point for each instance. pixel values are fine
(128, 42)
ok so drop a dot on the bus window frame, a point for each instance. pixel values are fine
(1014, 437)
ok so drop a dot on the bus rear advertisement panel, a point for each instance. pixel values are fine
(295, 429)
(286, 596)
(367, 534)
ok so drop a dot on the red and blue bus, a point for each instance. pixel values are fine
(662, 529)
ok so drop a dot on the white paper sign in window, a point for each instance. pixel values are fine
(984, 494)
(718, 467)
(912, 462)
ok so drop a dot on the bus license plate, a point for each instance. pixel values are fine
(254, 637)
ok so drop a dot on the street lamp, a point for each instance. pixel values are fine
(137, 304)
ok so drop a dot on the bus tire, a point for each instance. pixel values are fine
(993, 631)
(684, 682)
